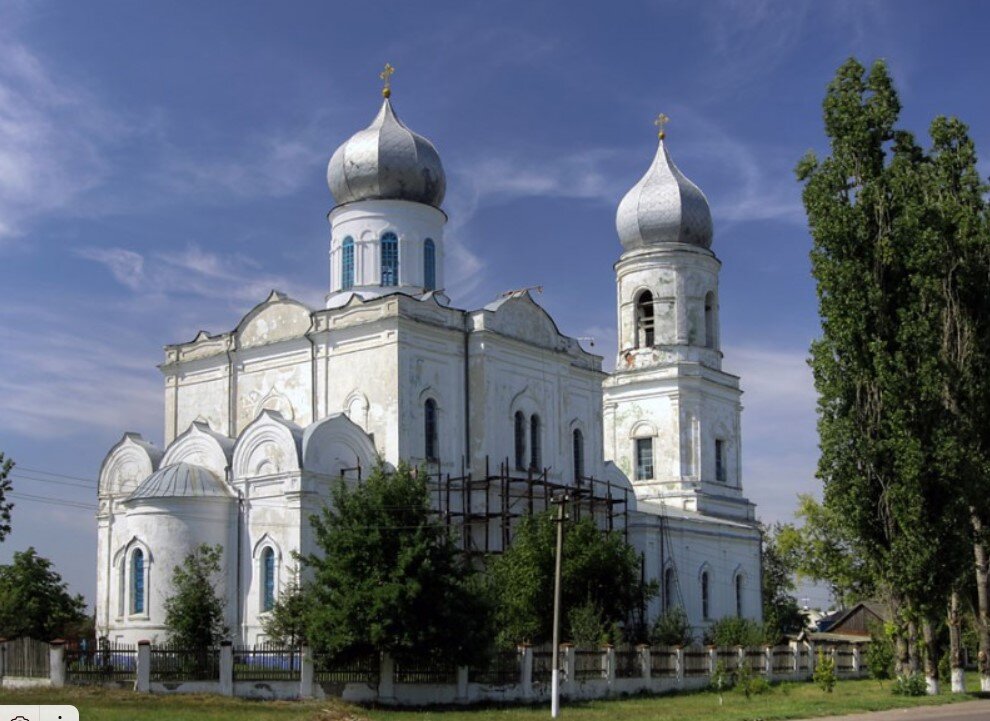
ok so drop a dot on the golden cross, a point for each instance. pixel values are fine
(386, 76)
(660, 122)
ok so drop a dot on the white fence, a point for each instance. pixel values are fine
(522, 675)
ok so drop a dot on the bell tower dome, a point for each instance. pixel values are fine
(671, 413)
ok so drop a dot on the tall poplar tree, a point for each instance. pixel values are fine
(891, 227)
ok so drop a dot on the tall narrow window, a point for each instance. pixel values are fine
(644, 459)
(347, 264)
(710, 320)
(535, 459)
(705, 606)
(430, 430)
(390, 259)
(578, 454)
(268, 577)
(429, 265)
(669, 589)
(739, 595)
(644, 320)
(720, 460)
(137, 581)
(520, 439)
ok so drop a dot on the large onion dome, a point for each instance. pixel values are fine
(387, 161)
(664, 207)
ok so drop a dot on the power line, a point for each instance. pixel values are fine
(52, 473)
(35, 479)
(17, 495)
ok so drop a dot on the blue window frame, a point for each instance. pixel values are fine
(430, 430)
(268, 566)
(644, 459)
(520, 438)
(137, 581)
(535, 451)
(347, 264)
(390, 259)
(578, 454)
(429, 265)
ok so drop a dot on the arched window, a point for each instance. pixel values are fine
(535, 455)
(578, 454)
(720, 460)
(268, 579)
(520, 439)
(429, 265)
(710, 320)
(347, 264)
(430, 430)
(739, 595)
(390, 259)
(137, 581)
(705, 596)
(644, 320)
(669, 589)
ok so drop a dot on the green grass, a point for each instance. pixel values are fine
(784, 701)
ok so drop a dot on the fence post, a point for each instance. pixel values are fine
(609, 660)
(56, 663)
(856, 660)
(645, 662)
(142, 684)
(742, 661)
(462, 683)
(679, 666)
(834, 653)
(768, 661)
(812, 658)
(305, 672)
(569, 668)
(386, 678)
(526, 671)
(795, 656)
(712, 660)
(3, 657)
(226, 669)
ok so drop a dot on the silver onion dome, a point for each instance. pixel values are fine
(664, 207)
(387, 161)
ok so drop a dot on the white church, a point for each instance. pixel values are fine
(261, 420)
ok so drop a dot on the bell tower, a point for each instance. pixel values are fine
(671, 414)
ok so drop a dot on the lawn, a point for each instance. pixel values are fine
(784, 701)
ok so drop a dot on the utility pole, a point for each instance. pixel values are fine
(561, 502)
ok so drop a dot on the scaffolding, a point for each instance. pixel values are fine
(484, 511)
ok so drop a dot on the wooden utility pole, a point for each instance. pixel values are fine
(561, 502)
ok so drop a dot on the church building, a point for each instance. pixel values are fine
(261, 420)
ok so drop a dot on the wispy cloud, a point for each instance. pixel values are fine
(53, 135)
(193, 275)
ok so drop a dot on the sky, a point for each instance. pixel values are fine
(162, 167)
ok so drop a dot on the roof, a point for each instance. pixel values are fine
(180, 480)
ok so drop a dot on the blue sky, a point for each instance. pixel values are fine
(162, 166)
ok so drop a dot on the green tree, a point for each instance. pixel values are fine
(194, 613)
(600, 571)
(877, 367)
(672, 628)
(34, 601)
(389, 577)
(286, 624)
(781, 614)
(6, 487)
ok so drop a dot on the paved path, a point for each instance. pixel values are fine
(965, 711)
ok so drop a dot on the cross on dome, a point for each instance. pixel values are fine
(386, 76)
(660, 122)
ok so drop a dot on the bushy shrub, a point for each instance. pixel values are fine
(734, 631)
(824, 674)
(910, 685)
(750, 684)
(671, 628)
(589, 627)
(880, 654)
